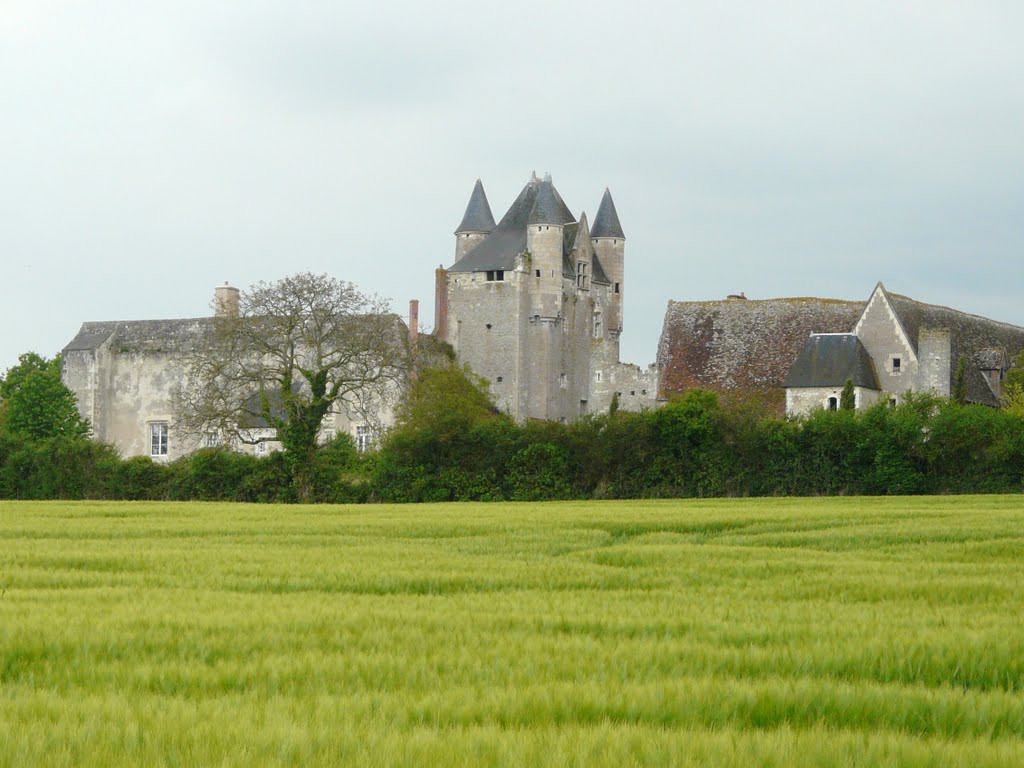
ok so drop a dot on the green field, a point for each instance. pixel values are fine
(744, 633)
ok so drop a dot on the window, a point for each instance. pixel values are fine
(892, 402)
(328, 435)
(537, 272)
(500, 379)
(212, 439)
(833, 404)
(616, 287)
(598, 327)
(581, 275)
(261, 448)
(158, 439)
(897, 364)
(362, 438)
(598, 376)
(495, 275)
(563, 381)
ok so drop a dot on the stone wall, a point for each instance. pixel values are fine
(801, 401)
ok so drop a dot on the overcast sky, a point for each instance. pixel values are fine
(149, 151)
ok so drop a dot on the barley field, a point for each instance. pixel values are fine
(813, 632)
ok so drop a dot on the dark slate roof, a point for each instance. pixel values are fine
(499, 249)
(150, 336)
(606, 223)
(828, 360)
(969, 336)
(743, 344)
(478, 216)
(546, 208)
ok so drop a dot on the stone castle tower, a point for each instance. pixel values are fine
(534, 305)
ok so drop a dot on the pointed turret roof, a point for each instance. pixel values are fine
(548, 207)
(508, 239)
(606, 223)
(478, 216)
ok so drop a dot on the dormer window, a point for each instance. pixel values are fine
(582, 281)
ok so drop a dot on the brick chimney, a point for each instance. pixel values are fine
(414, 322)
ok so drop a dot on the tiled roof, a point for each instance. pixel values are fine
(743, 344)
(153, 336)
(970, 336)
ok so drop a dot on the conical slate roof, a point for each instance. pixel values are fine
(538, 203)
(606, 223)
(478, 216)
(549, 208)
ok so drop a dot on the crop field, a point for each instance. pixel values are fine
(812, 632)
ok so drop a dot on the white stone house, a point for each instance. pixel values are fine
(124, 375)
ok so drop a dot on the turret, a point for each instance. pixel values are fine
(544, 233)
(609, 245)
(477, 222)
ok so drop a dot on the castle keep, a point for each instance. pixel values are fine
(534, 305)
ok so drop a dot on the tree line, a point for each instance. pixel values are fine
(450, 443)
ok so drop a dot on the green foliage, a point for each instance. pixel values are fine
(37, 405)
(960, 382)
(539, 472)
(848, 398)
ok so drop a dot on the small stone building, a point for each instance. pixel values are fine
(534, 305)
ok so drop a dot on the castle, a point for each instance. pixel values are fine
(534, 305)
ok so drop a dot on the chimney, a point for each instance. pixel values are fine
(414, 322)
(225, 301)
(441, 303)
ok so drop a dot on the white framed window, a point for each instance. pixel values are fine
(563, 381)
(362, 438)
(598, 376)
(213, 440)
(598, 327)
(159, 433)
(261, 448)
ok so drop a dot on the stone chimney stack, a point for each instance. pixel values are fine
(414, 322)
(225, 301)
(441, 303)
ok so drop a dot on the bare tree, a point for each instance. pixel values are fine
(291, 353)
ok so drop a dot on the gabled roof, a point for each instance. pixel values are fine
(970, 336)
(743, 344)
(829, 359)
(606, 223)
(478, 216)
